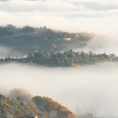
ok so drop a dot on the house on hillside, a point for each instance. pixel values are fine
(67, 39)
(112, 55)
(35, 116)
(77, 35)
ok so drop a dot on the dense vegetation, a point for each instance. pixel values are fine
(28, 39)
(43, 107)
(68, 58)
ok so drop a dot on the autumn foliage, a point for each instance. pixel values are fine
(48, 104)
(43, 107)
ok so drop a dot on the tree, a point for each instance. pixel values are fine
(54, 45)
(18, 98)
(90, 53)
(56, 60)
(70, 50)
(82, 54)
(45, 28)
(32, 106)
(8, 98)
(45, 38)
(30, 54)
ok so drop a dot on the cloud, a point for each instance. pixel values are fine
(27, 6)
(71, 15)
(18, 6)
(3, 0)
(57, 6)
(98, 5)
(35, 0)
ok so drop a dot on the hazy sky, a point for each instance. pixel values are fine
(99, 16)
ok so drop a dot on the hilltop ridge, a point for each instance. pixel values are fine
(28, 39)
(23, 107)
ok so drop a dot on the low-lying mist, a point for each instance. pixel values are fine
(22, 93)
(100, 44)
(8, 51)
(91, 88)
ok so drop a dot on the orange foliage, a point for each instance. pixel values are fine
(45, 38)
(50, 104)
(54, 45)
(36, 51)
(32, 106)
(65, 113)
(75, 65)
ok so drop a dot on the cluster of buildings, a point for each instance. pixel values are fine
(14, 57)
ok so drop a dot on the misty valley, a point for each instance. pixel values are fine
(69, 75)
(58, 58)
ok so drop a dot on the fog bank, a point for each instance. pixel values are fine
(8, 51)
(91, 88)
(99, 45)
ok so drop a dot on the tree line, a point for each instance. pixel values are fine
(65, 59)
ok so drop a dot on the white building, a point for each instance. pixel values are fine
(67, 39)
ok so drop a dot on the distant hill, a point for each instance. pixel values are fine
(29, 39)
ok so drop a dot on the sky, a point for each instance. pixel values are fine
(97, 16)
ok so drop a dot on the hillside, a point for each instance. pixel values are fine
(28, 39)
(66, 59)
(22, 107)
